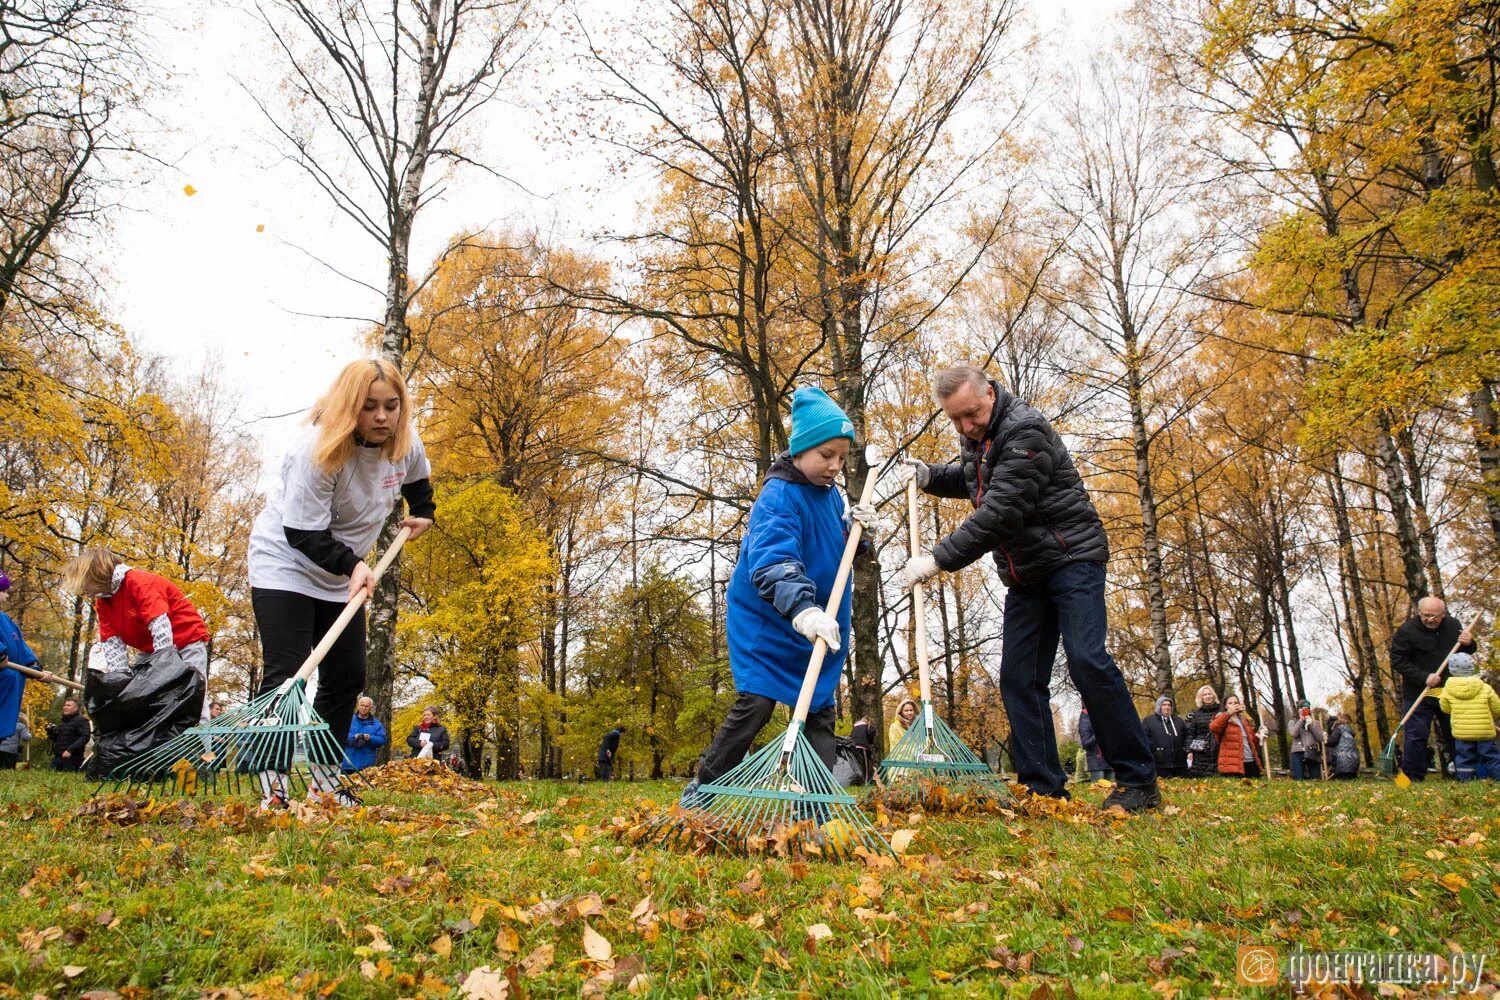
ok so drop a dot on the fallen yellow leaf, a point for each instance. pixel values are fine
(594, 944)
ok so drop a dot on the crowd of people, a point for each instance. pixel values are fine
(361, 456)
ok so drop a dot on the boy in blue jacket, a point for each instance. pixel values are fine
(781, 584)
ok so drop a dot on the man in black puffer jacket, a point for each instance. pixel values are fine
(1419, 649)
(1033, 515)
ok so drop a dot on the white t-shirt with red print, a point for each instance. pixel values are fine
(353, 502)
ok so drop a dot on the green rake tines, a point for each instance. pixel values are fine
(932, 767)
(276, 744)
(782, 800)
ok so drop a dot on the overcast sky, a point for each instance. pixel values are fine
(197, 280)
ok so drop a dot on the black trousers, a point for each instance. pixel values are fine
(290, 625)
(1414, 753)
(747, 717)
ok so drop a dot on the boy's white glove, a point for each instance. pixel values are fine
(918, 470)
(815, 624)
(916, 570)
(869, 518)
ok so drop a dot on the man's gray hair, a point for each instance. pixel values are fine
(947, 381)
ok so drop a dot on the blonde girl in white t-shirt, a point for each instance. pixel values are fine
(307, 551)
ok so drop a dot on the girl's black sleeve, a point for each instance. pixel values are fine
(419, 500)
(325, 551)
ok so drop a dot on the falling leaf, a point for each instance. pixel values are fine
(74, 971)
(442, 946)
(485, 983)
(260, 229)
(538, 961)
(901, 840)
(189, 190)
(594, 944)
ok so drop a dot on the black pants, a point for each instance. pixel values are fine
(290, 625)
(1414, 753)
(747, 717)
(604, 769)
(8, 760)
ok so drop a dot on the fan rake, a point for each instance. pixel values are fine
(276, 743)
(931, 766)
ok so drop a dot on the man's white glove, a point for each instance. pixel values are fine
(869, 518)
(918, 470)
(917, 569)
(815, 623)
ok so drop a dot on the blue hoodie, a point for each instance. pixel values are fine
(357, 758)
(12, 682)
(787, 563)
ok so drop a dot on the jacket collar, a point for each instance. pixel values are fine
(782, 468)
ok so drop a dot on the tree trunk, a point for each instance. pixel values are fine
(1156, 594)
(1487, 446)
(1407, 539)
(1425, 530)
(1364, 643)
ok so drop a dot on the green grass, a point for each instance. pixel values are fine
(188, 900)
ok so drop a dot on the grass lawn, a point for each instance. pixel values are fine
(412, 894)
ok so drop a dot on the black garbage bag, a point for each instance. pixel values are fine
(853, 762)
(139, 709)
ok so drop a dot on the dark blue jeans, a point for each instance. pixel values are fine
(1068, 605)
(1414, 756)
(1472, 753)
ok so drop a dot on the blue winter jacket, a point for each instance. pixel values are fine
(357, 757)
(787, 563)
(12, 682)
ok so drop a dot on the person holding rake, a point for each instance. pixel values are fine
(781, 584)
(338, 485)
(1033, 515)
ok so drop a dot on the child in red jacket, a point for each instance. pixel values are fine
(137, 609)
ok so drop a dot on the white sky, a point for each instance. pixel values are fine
(192, 280)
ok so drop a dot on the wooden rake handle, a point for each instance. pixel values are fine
(918, 596)
(820, 648)
(1417, 701)
(350, 610)
(43, 675)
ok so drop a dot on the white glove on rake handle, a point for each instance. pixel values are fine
(815, 624)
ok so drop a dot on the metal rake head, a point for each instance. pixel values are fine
(775, 802)
(276, 745)
(933, 768)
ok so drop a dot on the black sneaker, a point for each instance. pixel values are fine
(1133, 798)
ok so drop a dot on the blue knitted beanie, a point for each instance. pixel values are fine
(815, 419)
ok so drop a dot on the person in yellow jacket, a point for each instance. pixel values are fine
(906, 714)
(1474, 707)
